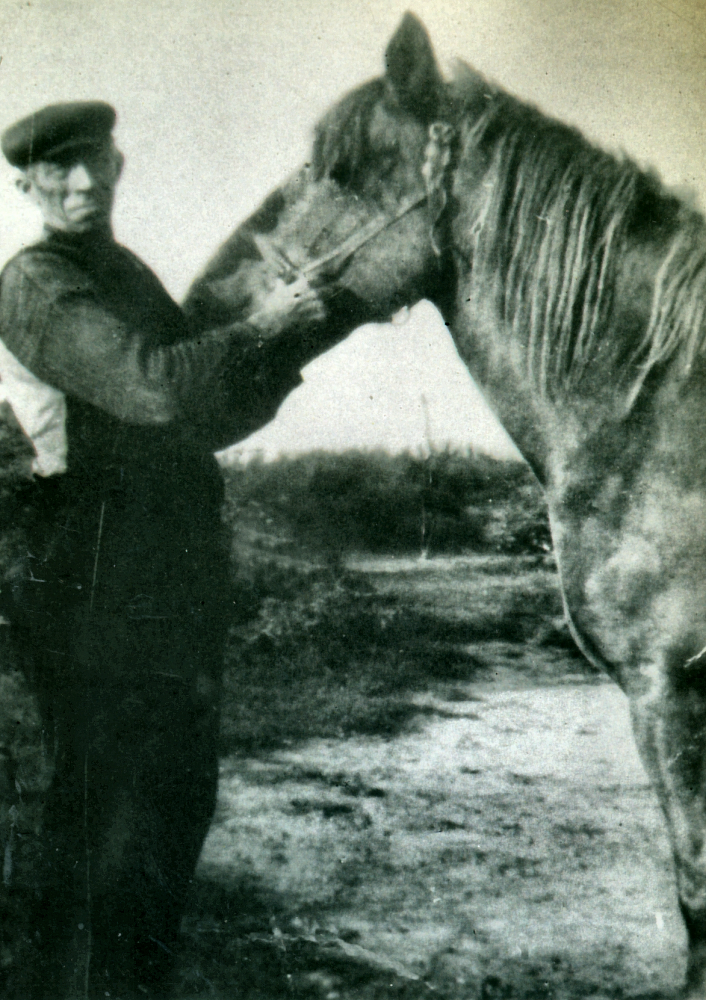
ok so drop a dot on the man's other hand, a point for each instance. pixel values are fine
(286, 305)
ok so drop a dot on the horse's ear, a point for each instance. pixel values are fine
(412, 73)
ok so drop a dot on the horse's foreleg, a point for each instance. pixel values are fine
(669, 720)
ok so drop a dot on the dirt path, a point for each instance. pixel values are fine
(507, 845)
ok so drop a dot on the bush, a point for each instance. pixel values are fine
(374, 502)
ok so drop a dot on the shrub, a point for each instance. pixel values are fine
(374, 502)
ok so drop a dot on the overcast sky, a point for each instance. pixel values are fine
(216, 102)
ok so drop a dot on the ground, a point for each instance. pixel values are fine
(497, 839)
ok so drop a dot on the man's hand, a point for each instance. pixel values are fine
(286, 305)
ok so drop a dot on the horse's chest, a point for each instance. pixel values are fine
(632, 556)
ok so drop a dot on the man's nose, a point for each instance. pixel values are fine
(80, 178)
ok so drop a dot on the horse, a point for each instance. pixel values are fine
(574, 286)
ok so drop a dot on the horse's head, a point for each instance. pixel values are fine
(362, 212)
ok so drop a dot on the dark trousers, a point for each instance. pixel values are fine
(120, 619)
(129, 709)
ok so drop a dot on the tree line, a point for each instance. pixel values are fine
(446, 502)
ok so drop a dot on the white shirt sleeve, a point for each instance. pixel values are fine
(40, 410)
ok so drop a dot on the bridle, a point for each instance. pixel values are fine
(277, 258)
(434, 171)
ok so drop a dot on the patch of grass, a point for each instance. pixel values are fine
(328, 652)
(322, 658)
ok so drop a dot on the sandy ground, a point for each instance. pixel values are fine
(505, 845)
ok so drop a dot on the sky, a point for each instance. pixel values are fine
(216, 103)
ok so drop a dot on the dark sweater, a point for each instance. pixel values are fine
(148, 402)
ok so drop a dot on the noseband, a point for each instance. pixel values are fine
(434, 171)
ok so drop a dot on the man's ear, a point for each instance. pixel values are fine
(23, 184)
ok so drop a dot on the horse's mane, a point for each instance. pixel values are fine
(553, 234)
(560, 217)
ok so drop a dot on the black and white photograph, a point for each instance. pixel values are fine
(353, 500)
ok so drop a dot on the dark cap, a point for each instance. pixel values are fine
(47, 133)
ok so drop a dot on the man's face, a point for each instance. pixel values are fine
(75, 190)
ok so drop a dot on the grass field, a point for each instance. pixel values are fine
(332, 652)
(426, 792)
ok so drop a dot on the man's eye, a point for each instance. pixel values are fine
(54, 179)
(55, 172)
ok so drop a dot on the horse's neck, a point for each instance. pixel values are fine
(545, 428)
(559, 396)
(496, 367)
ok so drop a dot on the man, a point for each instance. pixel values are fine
(123, 602)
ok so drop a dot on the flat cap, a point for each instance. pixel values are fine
(48, 132)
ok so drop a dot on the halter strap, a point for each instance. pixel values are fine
(276, 257)
(437, 156)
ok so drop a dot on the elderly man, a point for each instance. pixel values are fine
(124, 599)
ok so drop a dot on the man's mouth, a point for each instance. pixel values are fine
(85, 205)
(85, 209)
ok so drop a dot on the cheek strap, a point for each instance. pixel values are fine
(437, 156)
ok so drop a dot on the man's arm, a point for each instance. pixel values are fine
(224, 384)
